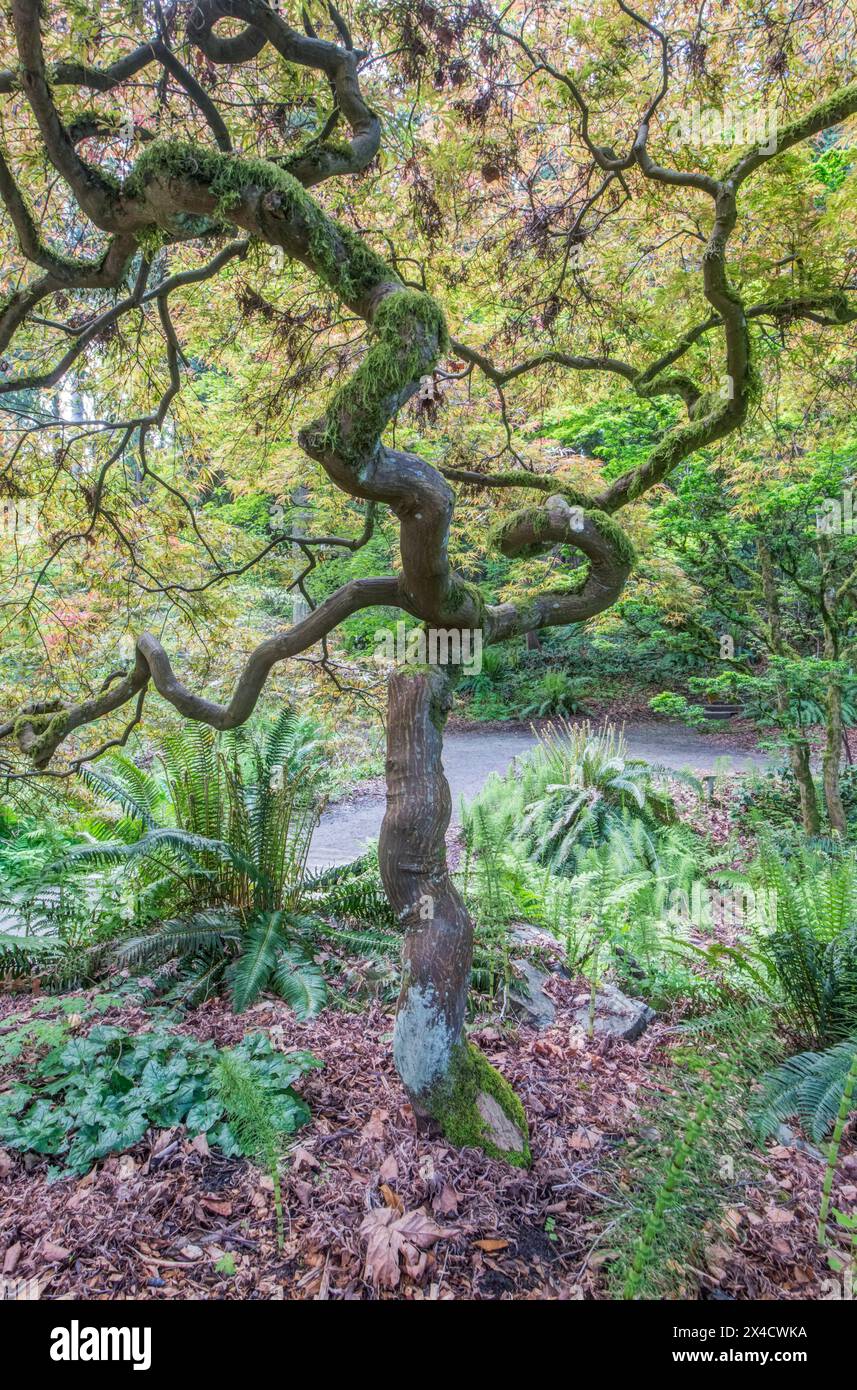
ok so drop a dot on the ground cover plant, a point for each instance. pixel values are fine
(97, 1092)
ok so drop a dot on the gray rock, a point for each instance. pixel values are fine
(503, 1132)
(616, 1016)
(528, 998)
(790, 1140)
(539, 939)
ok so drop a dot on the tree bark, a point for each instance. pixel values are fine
(799, 758)
(453, 1089)
(831, 758)
(798, 749)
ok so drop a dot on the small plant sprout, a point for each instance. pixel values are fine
(842, 1116)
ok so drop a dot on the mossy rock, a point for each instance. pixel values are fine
(476, 1107)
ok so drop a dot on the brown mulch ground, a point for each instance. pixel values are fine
(155, 1223)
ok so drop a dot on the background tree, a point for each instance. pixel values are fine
(196, 155)
(767, 554)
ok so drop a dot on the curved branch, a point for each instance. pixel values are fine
(92, 190)
(320, 159)
(85, 335)
(42, 726)
(608, 552)
(501, 375)
(198, 95)
(830, 112)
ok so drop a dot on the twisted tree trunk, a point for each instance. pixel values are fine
(452, 1087)
(186, 190)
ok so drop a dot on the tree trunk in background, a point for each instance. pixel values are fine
(832, 756)
(799, 751)
(452, 1087)
(800, 765)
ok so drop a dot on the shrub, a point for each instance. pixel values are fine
(574, 791)
(809, 956)
(677, 707)
(232, 866)
(59, 922)
(557, 694)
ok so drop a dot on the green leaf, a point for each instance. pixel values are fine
(202, 1116)
(250, 973)
(299, 982)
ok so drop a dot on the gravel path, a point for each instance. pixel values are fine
(469, 757)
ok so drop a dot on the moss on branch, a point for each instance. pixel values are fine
(623, 547)
(538, 521)
(51, 726)
(409, 335)
(337, 255)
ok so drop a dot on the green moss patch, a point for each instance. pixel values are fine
(454, 1104)
(409, 335)
(339, 256)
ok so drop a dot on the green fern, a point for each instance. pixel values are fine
(249, 974)
(351, 891)
(22, 957)
(372, 943)
(202, 932)
(578, 788)
(121, 783)
(191, 849)
(809, 1086)
(299, 981)
(251, 1119)
(270, 959)
(219, 853)
(810, 952)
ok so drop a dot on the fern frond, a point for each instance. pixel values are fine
(809, 1086)
(189, 847)
(121, 783)
(23, 956)
(352, 891)
(200, 981)
(299, 982)
(369, 943)
(262, 941)
(180, 938)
